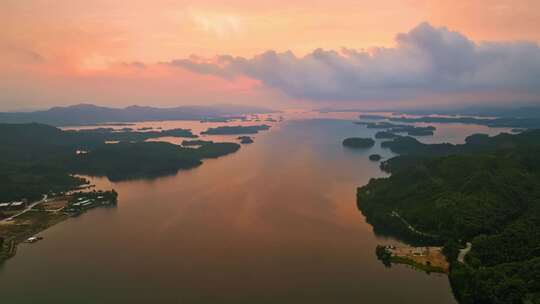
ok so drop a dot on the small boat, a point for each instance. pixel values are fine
(33, 239)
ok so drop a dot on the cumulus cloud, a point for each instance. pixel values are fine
(425, 60)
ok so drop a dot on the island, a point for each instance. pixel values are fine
(377, 125)
(245, 139)
(477, 203)
(416, 131)
(217, 119)
(375, 157)
(128, 135)
(196, 142)
(504, 122)
(371, 117)
(385, 135)
(398, 128)
(358, 142)
(236, 130)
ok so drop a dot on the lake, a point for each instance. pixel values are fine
(275, 222)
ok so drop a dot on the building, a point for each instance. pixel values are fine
(12, 206)
(17, 205)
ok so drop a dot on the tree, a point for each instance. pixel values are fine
(451, 250)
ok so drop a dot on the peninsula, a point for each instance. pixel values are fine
(23, 221)
(38, 158)
(236, 130)
(39, 163)
(485, 192)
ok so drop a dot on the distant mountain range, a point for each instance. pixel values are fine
(532, 111)
(91, 114)
(487, 111)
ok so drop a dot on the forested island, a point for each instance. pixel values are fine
(36, 159)
(358, 142)
(486, 192)
(129, 135)
(245, 139)
(385, 135)
(372, 117)
(392, 128)
(375, 157)
(196, 142)
(506, 122)
(236, 130)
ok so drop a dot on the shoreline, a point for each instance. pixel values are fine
(47, 213)
(14, 241)
(422, 267)
(427, 259)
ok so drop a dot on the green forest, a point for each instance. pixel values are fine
(36, 159)
(486, 191)
(358, 142)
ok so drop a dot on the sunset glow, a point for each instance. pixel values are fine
(270, 151)
(113, 52)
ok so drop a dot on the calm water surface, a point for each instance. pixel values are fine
(276, 222)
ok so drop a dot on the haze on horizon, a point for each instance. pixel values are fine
(344, 53)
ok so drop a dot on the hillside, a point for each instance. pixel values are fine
(486, 191)
(36, 159)
(90, 114)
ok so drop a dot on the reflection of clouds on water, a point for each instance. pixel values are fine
(277, 217)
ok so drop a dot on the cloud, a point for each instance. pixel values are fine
(425, 60)
(219, 66)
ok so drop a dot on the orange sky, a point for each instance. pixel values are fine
(70, 51)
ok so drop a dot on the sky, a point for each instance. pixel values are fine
(341, 53)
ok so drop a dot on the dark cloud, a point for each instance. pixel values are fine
(425, 60)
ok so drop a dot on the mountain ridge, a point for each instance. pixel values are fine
(85, 113)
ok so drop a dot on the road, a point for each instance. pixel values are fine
(411, 228)
(32, 205)
(463, 252)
